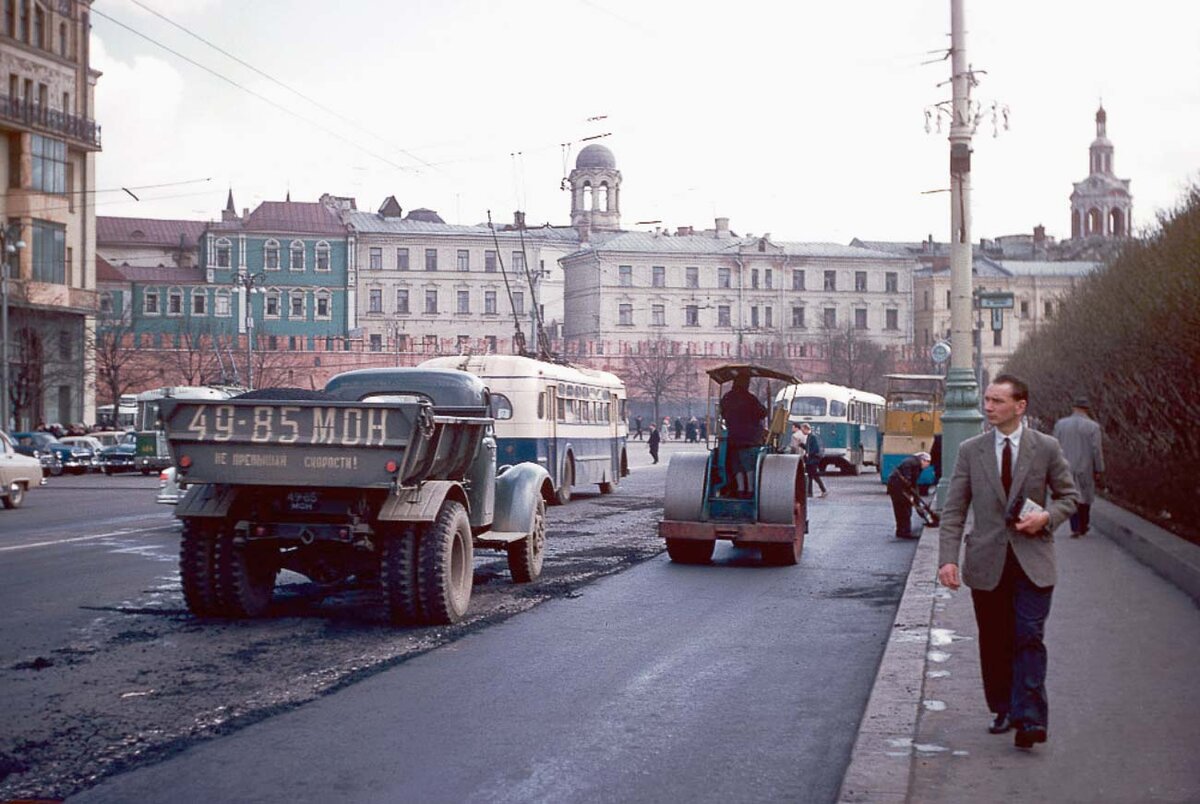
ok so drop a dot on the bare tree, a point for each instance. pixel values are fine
(855, 360)
(660, 371)
(121, 367)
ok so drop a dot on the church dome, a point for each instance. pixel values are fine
(596, 156)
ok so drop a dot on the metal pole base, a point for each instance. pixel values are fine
(960, 421)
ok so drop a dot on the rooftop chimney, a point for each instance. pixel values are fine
(722, 227)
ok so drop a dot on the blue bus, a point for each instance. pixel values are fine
(846, 420)
(571, 420)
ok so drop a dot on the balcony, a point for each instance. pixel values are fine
(49, 121)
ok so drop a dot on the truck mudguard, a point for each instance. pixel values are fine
(421, 504)
(207, 501)
(518, 489)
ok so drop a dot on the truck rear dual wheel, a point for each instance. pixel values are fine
(197, 570)
(446, 566)
(398, 577)
(525, 557)
(245, 575)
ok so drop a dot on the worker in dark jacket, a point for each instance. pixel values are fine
(903, 482)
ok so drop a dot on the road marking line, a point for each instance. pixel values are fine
(81, 538)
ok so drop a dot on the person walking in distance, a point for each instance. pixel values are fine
(637, 427)
(1079, 435)
(1018, 484)
(653, 443)
(812, 458)
(905, 480)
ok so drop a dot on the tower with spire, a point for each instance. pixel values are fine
(1101, 204)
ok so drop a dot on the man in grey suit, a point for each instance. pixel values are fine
(1009, 557)
(1079, 435)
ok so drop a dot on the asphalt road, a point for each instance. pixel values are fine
(730, 682)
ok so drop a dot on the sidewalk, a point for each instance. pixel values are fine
(1124, 650)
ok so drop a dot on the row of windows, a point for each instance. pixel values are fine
(759, 279)
(759, 317)
(462, 300)
(462, 260)
(274, 300)
(17, 25)
(272, 252)
(1048, 307)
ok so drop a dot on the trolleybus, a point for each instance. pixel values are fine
(846, 420)
(571, 420)
(912, 419)
(150, 454)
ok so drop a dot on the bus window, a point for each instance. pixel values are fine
(837, 408)
(808, 406)
(542, 404)
(501, 407)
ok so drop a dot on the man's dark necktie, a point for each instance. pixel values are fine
(1006, 466)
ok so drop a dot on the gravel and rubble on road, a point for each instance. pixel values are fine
(147, 679)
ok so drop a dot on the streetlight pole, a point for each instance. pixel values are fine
(249, 283)
(10, 235)
(962, 418)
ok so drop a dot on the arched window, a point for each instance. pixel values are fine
(1116, 223)
(221, 305)
(271, 303)
(587, 195)
(175, 301)
(321, 300)
(602, 196)
(323, 256)
(296, 256)
(106, 302)
(296, 304)
(224, 252)
(271, 255)
(1095, 222)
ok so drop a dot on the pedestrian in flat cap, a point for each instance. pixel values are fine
(1079, 435)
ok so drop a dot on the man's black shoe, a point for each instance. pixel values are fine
(1027, 736)
(1001, 724)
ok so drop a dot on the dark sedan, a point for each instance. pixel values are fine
(75, 459)
(118, 458)
(42, 447)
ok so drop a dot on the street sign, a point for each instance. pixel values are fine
(940, 352)
(994, 301)
(997, 318)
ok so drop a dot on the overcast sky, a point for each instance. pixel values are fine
(802, 119)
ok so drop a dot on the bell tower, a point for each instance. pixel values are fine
(1101, 204)
(595, 190)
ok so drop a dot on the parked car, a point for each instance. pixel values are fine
(75, 459)
(119, 457)
(109, 438)
(18, 473)
(90, 458)
(40, 446)
(169, 490)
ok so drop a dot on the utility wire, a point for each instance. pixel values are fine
(276, 81)
(258, 95)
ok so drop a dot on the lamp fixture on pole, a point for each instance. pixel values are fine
(10, 236)
(250, 283)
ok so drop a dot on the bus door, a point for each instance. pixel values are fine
(552, 450)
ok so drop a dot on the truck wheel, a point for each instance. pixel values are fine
(245, 576)
(563, 495)
(525, 556)
(16, 495)
(398, 577)
(197, 570)
(689, 551)
(446, 557)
